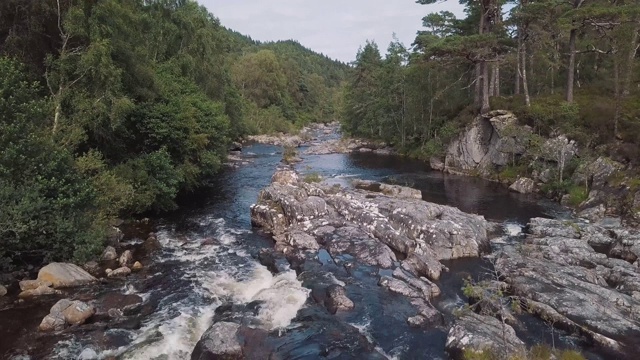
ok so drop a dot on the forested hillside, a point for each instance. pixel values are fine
(112, 108)
(566, 67)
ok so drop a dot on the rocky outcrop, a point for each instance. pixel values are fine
(423, 232)
(280, 139)
(483, 334)
(62, 275)
(349, 145)
(523, 185)
(493, 139)
(66, 312)
(560, 275)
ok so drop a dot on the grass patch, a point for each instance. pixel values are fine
(577, 195)
(312, 178)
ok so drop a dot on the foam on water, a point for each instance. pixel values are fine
(213, 274)
(512, 229)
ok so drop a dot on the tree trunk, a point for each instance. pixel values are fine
(497, 86)
(572, 65)
(616, 81)
(628, 71)
(492, 80)
(477, 95)
(523, 68)
(485, 88)
(518, 55)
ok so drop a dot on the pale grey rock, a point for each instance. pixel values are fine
(62, 275)
(126, 258)
(523, 185)
(3, 291)
(119, 272)
(478, 333)
(596, 174)
(109, 254)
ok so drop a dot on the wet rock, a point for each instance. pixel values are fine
(125, 304)
(3, 291)
(109, 254)
(482, 334)
(119, 272)
(220, 341)
(337, 299)
(137, 266)
(65, 275)
(88, 354)
(126, 258)
(33, 284)
(152, 243)
(390, 190)
(367, 250)
(523, 185)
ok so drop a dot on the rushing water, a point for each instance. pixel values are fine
(208, 258)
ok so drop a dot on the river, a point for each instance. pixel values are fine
(208, 258)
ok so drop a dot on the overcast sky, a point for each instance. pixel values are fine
(333, 27)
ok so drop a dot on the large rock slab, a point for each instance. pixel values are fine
(483, 334)
(492, 139)
(62, 275)
(559, 271)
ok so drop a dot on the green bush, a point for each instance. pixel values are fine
(312, 178)
(577, 195)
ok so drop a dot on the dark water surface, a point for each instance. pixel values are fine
(208, 258)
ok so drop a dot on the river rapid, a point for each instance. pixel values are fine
(208, 259)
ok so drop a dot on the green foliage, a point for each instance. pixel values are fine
(142, 99)
(570, 355)
(312, 178)
(577, 195)
(46, 203)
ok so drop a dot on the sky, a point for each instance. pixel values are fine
(336, 28)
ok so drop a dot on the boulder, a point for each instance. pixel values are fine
(481, 334)
(126, 258)
(33, 284)
(3, 291)
(337, 299)
(109, 254)
(491, 140)
(220, 341)
(39, 291)
(78, 312)
(137, 266)
(285, 177)
(119, 272)
(52, 323)
(597, 173)
(436, 163)
(66, 312)
(593, 214)
(65, 275)
(523, 185)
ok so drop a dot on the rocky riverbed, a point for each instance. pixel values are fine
(367, 258)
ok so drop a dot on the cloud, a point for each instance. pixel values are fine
(336, 28)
